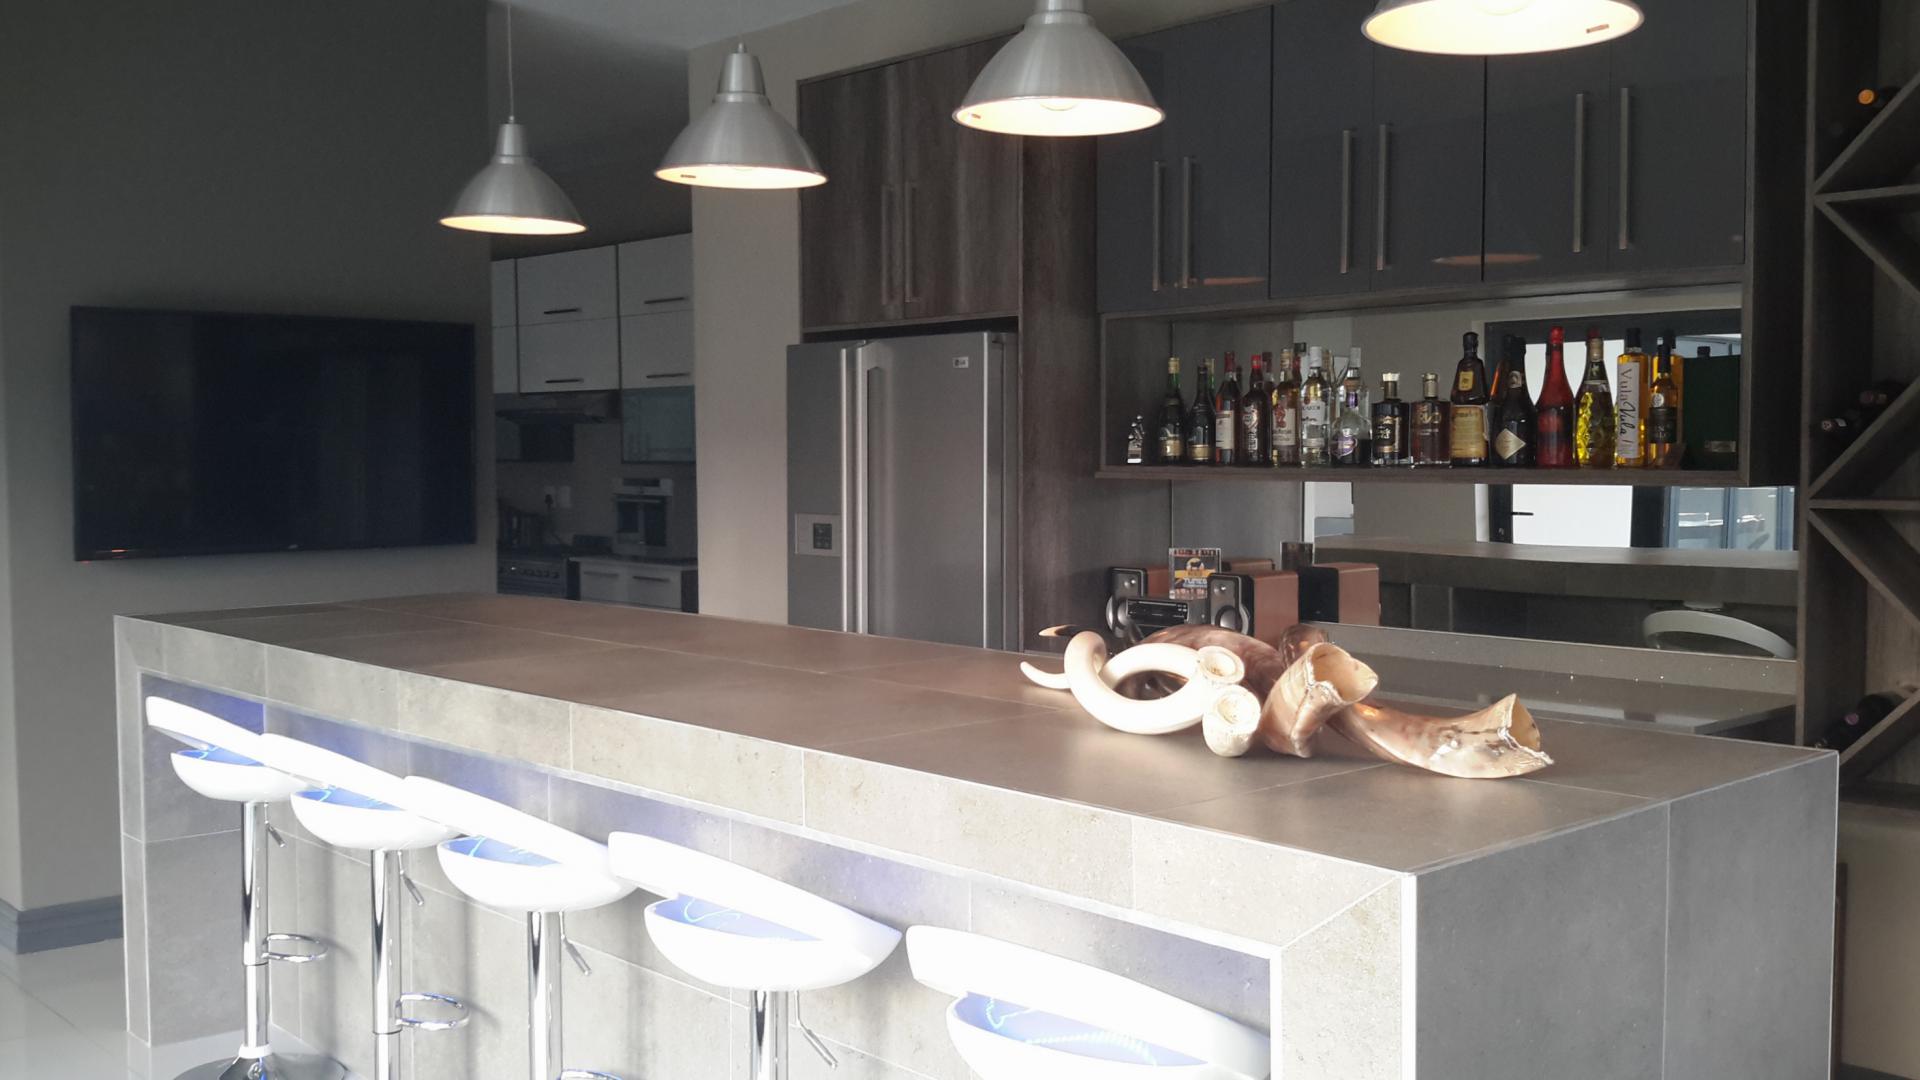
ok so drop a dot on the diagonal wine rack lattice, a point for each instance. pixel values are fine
(1862, 195)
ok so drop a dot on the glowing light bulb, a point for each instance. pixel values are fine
(1503, 7)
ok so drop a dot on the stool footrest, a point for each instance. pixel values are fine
(312, 949)
(419, 1023)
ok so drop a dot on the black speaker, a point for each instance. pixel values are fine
(1230, 602)
(1123, 583)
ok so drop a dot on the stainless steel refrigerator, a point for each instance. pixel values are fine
(903, 462)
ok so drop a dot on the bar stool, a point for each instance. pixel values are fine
(731, 927)
(354, 806)
(226, 762)
(513, 861)
(1072, 1022)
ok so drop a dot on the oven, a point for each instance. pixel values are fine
(654, 519)
(536, 574)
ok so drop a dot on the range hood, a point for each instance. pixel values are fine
(581, 407)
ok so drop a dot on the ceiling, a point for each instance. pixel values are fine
(602, 80)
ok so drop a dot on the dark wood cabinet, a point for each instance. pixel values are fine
(1550, 140)
(1429, 142)
(919, 218)
(849, 269)
(1183, 207)
(959, 196)
(1323, 157)
(1679, 105)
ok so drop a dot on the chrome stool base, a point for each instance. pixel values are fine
(271, 1067)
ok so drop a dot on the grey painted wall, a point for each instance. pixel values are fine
(747, 283)
(228, 154)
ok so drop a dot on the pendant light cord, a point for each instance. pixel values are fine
(510, 100)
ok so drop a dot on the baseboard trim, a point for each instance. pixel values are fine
(58, 926)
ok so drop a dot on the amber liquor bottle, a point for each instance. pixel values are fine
(1284, 401)
(1172, 432)
(1390, 425)
(1200, 419)
(1666, 442)
(1467, 419)
(1256, 417)
(1429, 435)
(1226, 416)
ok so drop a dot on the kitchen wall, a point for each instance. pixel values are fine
(746, 274)
(227, 154)
(592, 473)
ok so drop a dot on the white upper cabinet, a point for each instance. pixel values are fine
(656, 350)
(656, 275)
(573, 286)
(504, 311)
(568, 356)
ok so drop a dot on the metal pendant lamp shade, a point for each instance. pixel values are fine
(1499, 27)
(1059, 76)
(512, 195)
(740, 141)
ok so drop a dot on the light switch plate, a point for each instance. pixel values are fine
(817, 534)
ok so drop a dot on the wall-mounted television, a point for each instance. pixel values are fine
(199, 433)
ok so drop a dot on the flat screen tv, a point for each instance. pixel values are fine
(198, 433)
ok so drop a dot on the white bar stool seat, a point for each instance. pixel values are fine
(352, 808)
(1021, 1013)
(510, 860)
(227, 762)
(732, 927)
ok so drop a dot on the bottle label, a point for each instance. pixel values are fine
(1469, 434)
(1250, 433)
(1626, 411)
(1465, 381)
(1200, 453)
(1313, 425)
(1172, 448)
(1508, 445)
(1663, 423)
(1386, 440)
(1225, 430)
(1285, 424)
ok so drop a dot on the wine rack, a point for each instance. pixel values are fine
(1860, 504)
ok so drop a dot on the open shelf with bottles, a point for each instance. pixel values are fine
(1367, 474)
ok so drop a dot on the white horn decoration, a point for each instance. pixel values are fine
(1155, 657)
(1207, 671)
(1231, 722)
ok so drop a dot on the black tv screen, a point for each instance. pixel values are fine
(199, 433)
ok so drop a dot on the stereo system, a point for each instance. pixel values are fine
(1248, 596)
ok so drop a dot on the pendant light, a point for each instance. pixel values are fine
(1499, 27)
(511, 195)
(740, 142)
(1059, 76)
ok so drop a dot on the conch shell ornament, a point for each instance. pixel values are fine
(1241, 690)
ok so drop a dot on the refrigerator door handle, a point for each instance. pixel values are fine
(846, 490)
(862, 367)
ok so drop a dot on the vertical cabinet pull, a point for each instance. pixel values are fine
(906, 244)
(1346, 201)
(1186, 223)
(1159, 224)
(1380, 202)
(1579, 172)
(886, 244)
(1626, 167)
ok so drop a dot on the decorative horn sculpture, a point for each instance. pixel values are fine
(1207, 671)
(1499, 741)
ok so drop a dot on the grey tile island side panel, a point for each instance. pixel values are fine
(1340, 1009)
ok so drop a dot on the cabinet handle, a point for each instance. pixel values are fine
(1580, 172)
(665, 300)
(1159, 202)
(597, 573)
(655, 580)
(563, 382)
(1380, 202)
(561, 311)
(1186, 223)
(671, 375)
(1626, 167)
(886, 244)
(1346, 201)
(906, 243)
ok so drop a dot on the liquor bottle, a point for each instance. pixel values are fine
(1553, 423)
(1284, 402)
(1430, 428)
(1629, 403)
(1497, 388)
(1516, 441)
(1390, 426)
(1314, 405)
(1256, 418)
(1137, 441)
(1354, 381)
(1857, 721)
(1226, 416)
(1593, 423)
(1881, 394)
(1200, 419)
(1664, 437)
(1351, 430)
(1467, 427)
(1173, 419)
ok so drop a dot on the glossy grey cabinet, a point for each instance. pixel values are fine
(1323, 152)
(1550, 141)
(1428, 133)
(1183, 207)
(1679, 102)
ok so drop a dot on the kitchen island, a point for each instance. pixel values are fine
(1652, 905)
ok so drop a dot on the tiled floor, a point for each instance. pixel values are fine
(63, 1014)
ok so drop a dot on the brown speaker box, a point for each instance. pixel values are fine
(1261, 605)
(1340, 592)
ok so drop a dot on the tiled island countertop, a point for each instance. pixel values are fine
(1653, 905)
